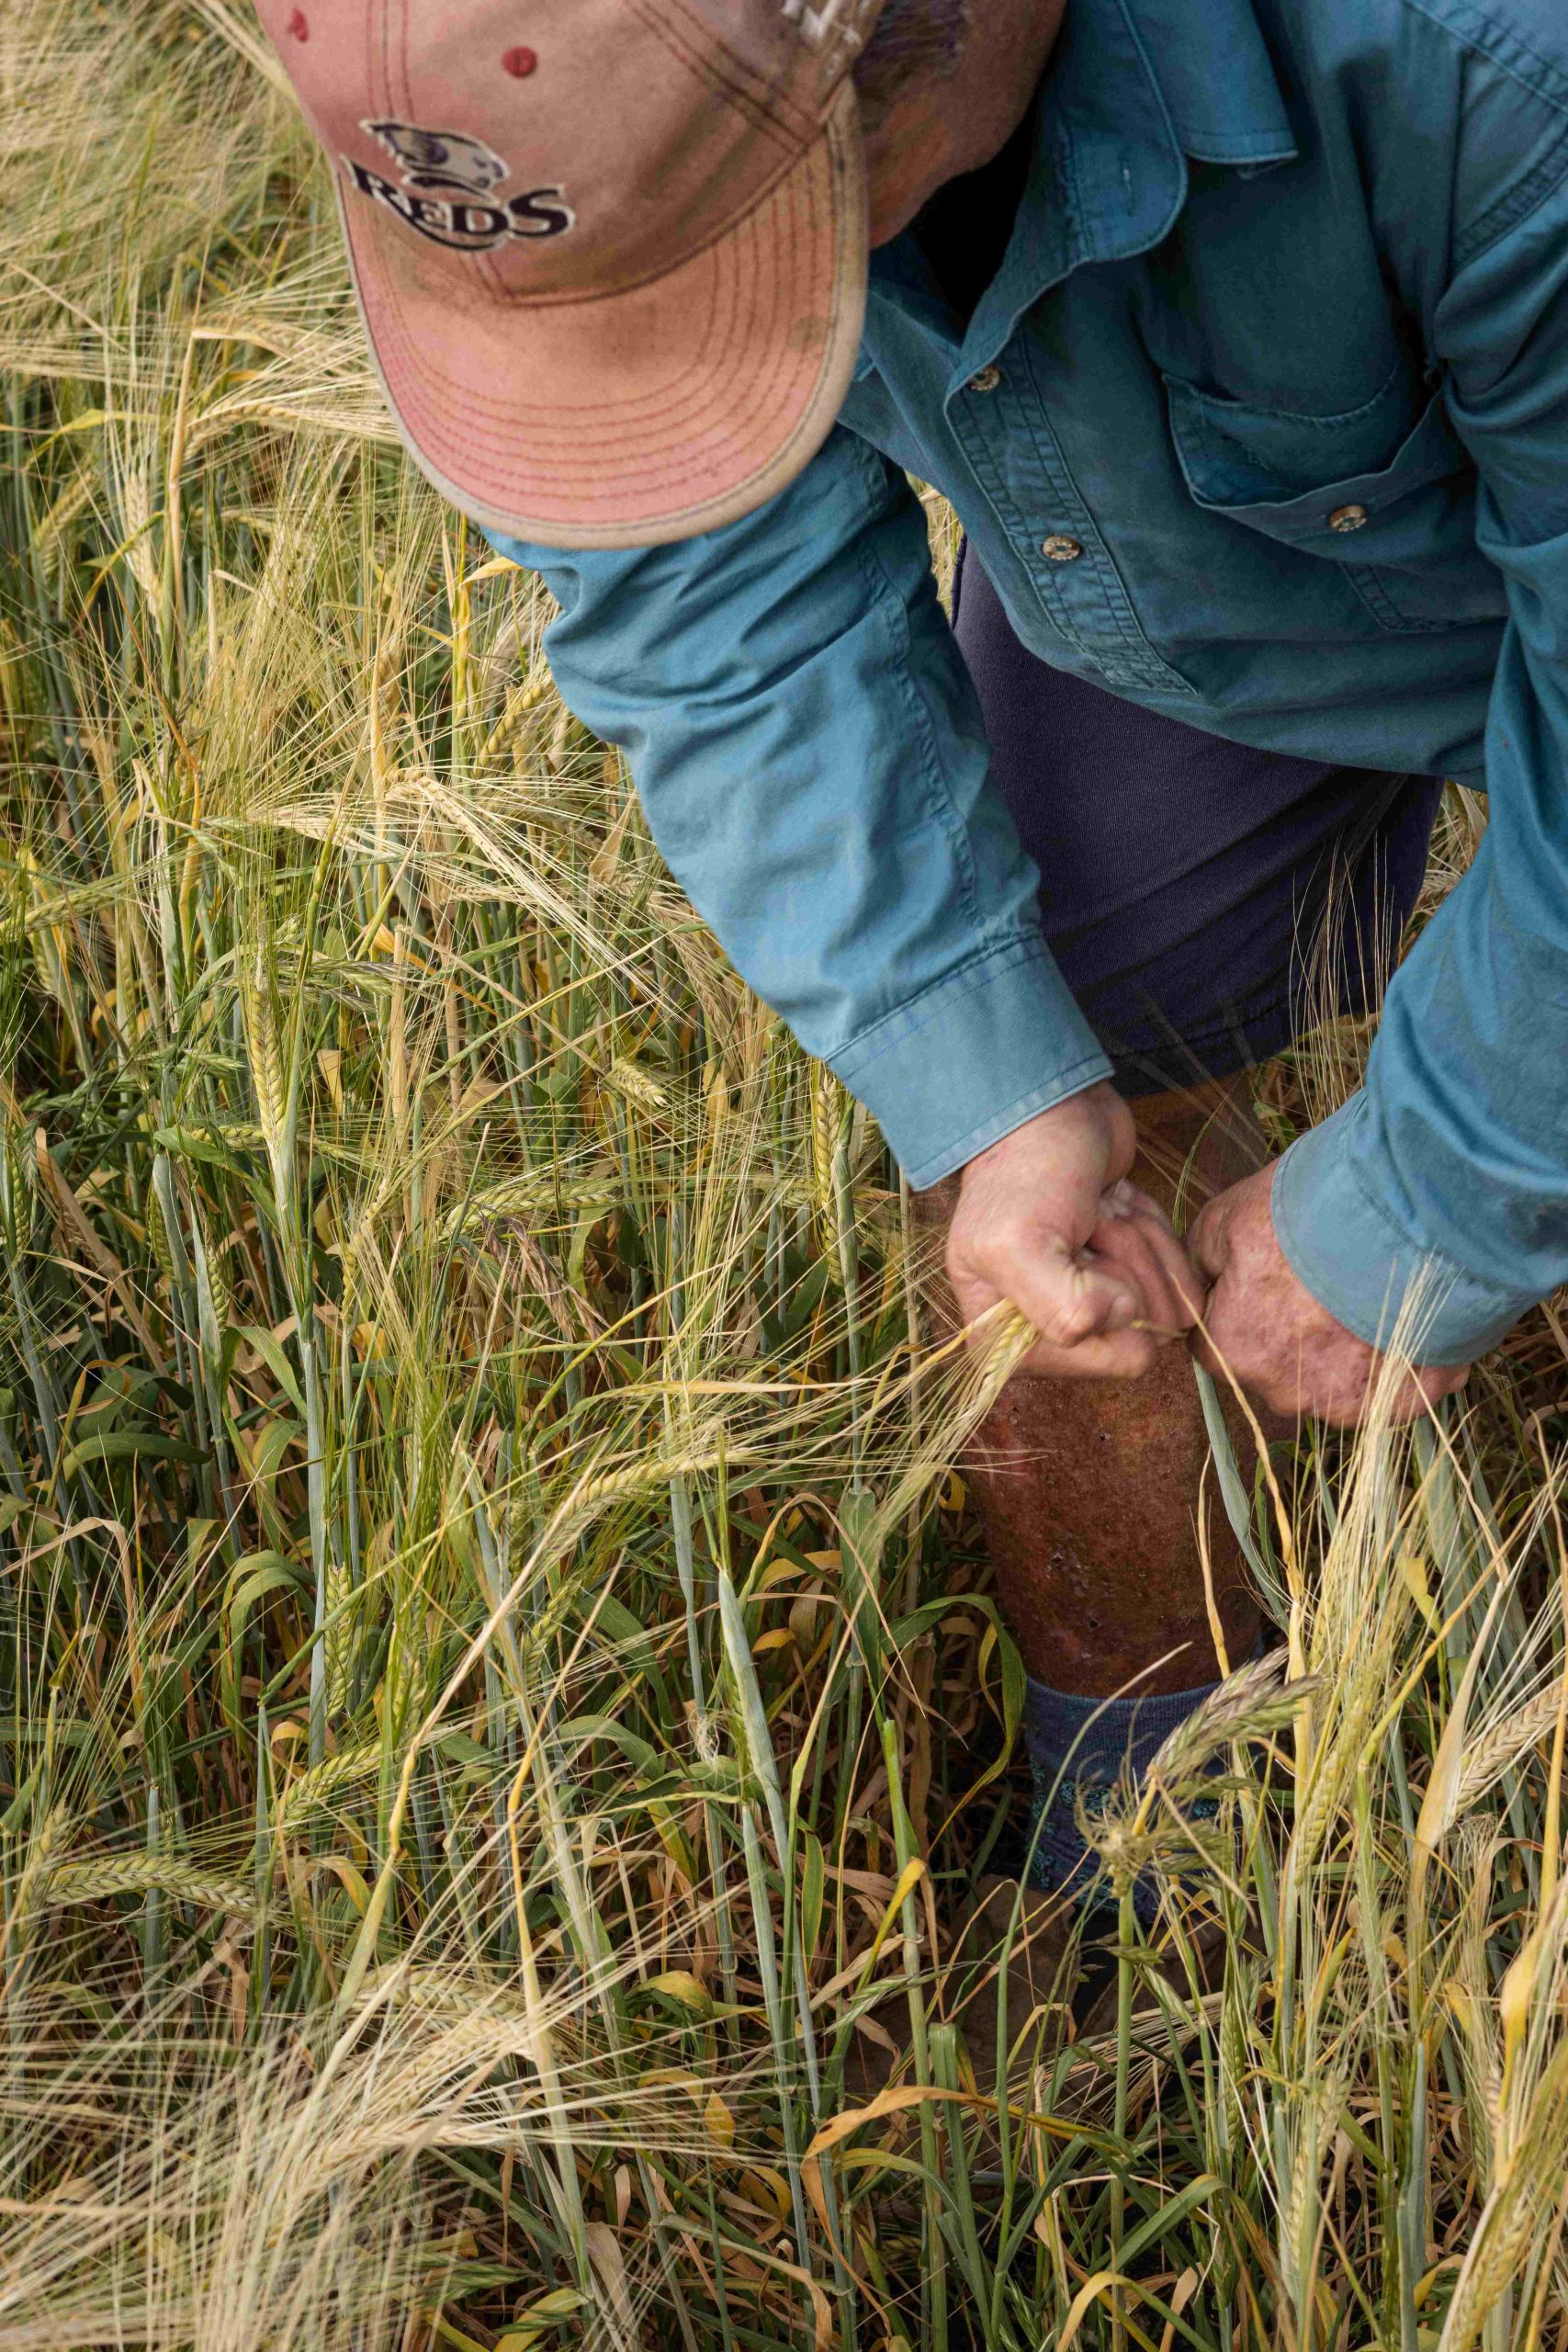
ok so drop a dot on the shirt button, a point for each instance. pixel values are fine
(987, 380)
(1347, 519)
(1060, 548)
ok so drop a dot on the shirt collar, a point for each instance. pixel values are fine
(1218, 79)
(1112, 136)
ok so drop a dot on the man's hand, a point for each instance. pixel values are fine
(1047, 1219)
(1266, 1327)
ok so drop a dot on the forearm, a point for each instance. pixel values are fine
(1448, 1173)
(808, 747)
(1455, 1157)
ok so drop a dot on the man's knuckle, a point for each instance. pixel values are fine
(1136, 1354)
(1015, 1236)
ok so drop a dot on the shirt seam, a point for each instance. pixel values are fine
(1504, 49)
(1063, 487)
(1217, 1033)
(1134, 650)
(1519, 204)
(991, 480)
(1243, 147)
(1123, 651)
(1211, 406)
(936, 788)
(1066, 149)
(1487, 37)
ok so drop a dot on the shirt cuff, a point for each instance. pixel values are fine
(973, 1058)
(1361, 1265)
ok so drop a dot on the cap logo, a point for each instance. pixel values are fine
(440, 158)
(471, 219)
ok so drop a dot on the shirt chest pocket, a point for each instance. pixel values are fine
(1389, 502)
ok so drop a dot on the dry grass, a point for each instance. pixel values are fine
(498, 1712)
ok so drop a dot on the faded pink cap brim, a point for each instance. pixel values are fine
(630, 419)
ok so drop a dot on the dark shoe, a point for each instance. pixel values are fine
(1060, 1971)
(1030, 1948)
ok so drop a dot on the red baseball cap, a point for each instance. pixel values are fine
(611, 254)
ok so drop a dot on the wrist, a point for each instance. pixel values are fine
(1096, 1119)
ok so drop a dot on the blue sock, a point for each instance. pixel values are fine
(1108, 1733)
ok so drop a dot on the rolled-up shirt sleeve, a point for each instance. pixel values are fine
(809, 752)
(1449, 1169)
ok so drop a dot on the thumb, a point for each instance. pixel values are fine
(1070, 1298)
(1208, 1240)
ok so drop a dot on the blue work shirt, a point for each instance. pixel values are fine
(1281, 343)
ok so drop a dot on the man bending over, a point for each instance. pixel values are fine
(1237, 333)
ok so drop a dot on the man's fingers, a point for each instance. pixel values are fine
(1123, 1355)
(1126, 1199)
(1131, 1252)
(1091, 1320)
(1088, 1313)
(1101, 1312)
(1025, 1213)
(1148, 1250)
(1422, 1387)
(1070, 1298)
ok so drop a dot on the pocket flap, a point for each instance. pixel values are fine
(1313, 482)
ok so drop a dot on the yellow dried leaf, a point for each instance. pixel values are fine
(1514, 2000)
(1413, 1575)
(540, 2316)
(680, 1985)
(766, 2188)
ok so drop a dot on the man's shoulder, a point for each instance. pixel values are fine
(1527, 40)
(1511, 90)
(1521, 45)
(1463, 105)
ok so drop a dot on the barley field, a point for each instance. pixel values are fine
(501, 1709)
